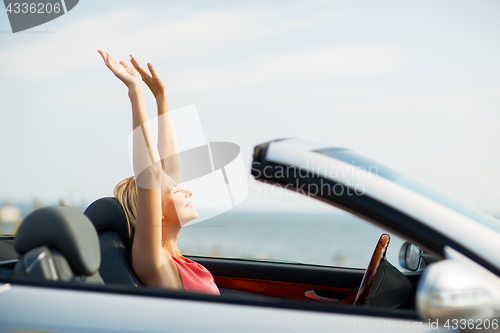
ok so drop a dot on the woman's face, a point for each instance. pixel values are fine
(178, 200)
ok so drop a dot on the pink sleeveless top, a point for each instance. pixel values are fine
(195, 277)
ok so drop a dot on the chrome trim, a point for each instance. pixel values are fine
(312, 295)
(34, 263)
(5, 287)
(7, 262)
(53, 270)
(7, 236)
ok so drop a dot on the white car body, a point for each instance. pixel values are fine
(39, 306)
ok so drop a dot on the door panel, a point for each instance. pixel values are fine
(284, 280)
(290, 281)
(290, 290)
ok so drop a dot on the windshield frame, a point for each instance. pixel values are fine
(367, 164)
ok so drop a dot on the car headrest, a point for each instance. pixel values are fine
(107, 213)
(67, 230)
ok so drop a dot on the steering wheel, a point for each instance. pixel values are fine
(371, 271)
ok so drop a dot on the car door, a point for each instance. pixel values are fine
(301, 255)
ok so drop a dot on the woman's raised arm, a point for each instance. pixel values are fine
(148, 261)
(167, 140)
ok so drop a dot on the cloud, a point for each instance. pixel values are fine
(73, 47)
(312, 65)
(55, 54)
(458, 98)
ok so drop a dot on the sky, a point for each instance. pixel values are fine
(414, 85)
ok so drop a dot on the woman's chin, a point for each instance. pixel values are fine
(185, 221)
(193, 215)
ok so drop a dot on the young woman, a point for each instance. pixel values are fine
(155, 205)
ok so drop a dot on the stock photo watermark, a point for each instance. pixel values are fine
(24, 15)
(354, 324)
(213, 171)
(386, 325)
(311, 179)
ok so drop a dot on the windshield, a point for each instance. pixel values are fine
(381, 170)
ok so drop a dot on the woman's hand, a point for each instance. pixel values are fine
(126, 73)
(152, 79)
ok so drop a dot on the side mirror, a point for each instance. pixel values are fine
(451, 289)
(410, 256)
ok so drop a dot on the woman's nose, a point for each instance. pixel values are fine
(188, 193)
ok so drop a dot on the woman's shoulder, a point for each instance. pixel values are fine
(162, 274)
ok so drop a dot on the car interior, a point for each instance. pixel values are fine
(63, 245)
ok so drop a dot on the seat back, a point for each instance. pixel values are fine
(109, 220)
(59, 244)
(391, 289)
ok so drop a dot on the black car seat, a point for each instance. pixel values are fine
(391, 289)
(59, 244)
(109, 220)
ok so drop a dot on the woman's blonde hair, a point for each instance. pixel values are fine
(126, 193)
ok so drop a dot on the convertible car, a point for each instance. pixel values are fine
(65, 271)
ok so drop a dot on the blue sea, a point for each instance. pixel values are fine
(341, 240)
